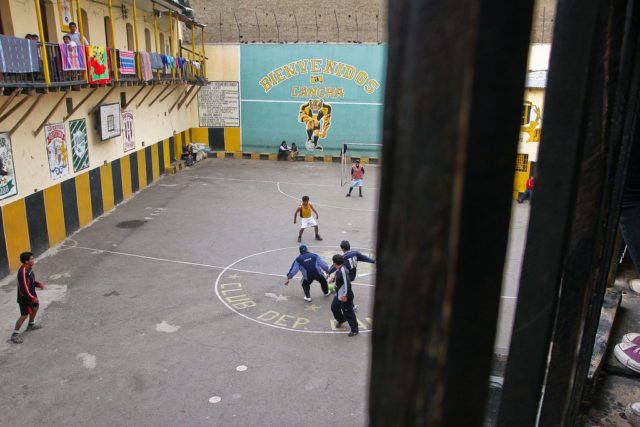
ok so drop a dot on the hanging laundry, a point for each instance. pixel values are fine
(18, 55)
(98, 65)
(127, 62)
(72, 57)
(156, 61)
(145, 65)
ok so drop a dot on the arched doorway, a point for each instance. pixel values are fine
(85, 24)
(131, 43)
(107, 31)
(147, 40)
(162, 51)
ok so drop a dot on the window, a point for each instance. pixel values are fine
(131, 43)
(147, 40)
(107, 31)
(162, 51)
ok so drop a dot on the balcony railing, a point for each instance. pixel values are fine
(58, 76)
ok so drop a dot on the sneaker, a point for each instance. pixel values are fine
(361, 195)
(33, 327)
(632, 338)
(632, 411)
(307, 299)
(348, 195)
(16, 339)
(327, 294)
(629, 355)
(339, 324)
(318, 237)
(319, 148)
(299, 239)
(353, 333)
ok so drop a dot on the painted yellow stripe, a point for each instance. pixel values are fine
(83, 197)
(167, 154)
(55, 215)
(199, 135)
(125, 171)
(106, 180)
(16, 232)
(232, 139)
(154, 161)
(177, 146)
(142, 170)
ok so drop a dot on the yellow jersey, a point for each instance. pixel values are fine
(305, 212)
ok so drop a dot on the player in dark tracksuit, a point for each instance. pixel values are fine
(312, 267)
(27, 297)
(351, 259)
(342, 304)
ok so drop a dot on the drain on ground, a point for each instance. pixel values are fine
(131, 224)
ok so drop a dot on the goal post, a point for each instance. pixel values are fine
(351, 150)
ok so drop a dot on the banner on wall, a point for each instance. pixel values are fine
(66, 14)
(318, 96)
(128, 135)
(8, 185)
(79, 144)
(57, 150)
(219, 105)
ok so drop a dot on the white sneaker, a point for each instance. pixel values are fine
(327, 294)
(632, 411)
(632, 337)
(307, 299)
(629, 355)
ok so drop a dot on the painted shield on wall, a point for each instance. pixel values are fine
(128, 135)
(57, 150)
(79, 144)
(8, 185)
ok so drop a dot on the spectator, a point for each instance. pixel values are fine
(283, 151)
(294, 150)
(29, 36)
(75, 35)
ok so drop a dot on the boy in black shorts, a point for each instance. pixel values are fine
(27, 297)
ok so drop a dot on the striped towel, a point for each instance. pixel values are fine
(145, 64)
(127, 62)
(71, 57)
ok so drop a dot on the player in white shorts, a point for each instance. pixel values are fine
(306, 219)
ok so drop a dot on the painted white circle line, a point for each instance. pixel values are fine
(323, 205)
(229, 267)
(215, 399)
(241, 368)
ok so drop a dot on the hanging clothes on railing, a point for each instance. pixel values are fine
(145, 65)
(72, 57)
(98, 65)
(156, 61)
(18, 55)
(169, 62)
(127, 62)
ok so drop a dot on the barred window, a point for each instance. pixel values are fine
(522, 162)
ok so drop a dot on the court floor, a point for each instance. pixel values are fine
(172, 310)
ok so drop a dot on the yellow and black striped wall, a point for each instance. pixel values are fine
(46, 217)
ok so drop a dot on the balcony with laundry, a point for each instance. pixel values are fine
(68, 59)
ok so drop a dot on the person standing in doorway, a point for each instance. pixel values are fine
(27, 297)
(306, 219)
(75, 35)
(357, 175)
(312, 267)
(342, 304)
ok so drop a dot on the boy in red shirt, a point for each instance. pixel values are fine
(27, 297)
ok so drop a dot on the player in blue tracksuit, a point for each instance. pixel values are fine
(342, 304)
(351, 259)
(312, 267)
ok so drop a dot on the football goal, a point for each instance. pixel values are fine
(355, 150)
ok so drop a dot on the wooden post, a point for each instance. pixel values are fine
(93, 110)
(14, 108)
(26, 114)
(176, 86)
(80, 104)
(194, 96)
(178, 99)
(438, 282)
(134, 97)
(53, 110)
(161, 92)
(145, 97)
(186, 96)
(8, 101)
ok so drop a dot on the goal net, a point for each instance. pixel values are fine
(355, 150)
